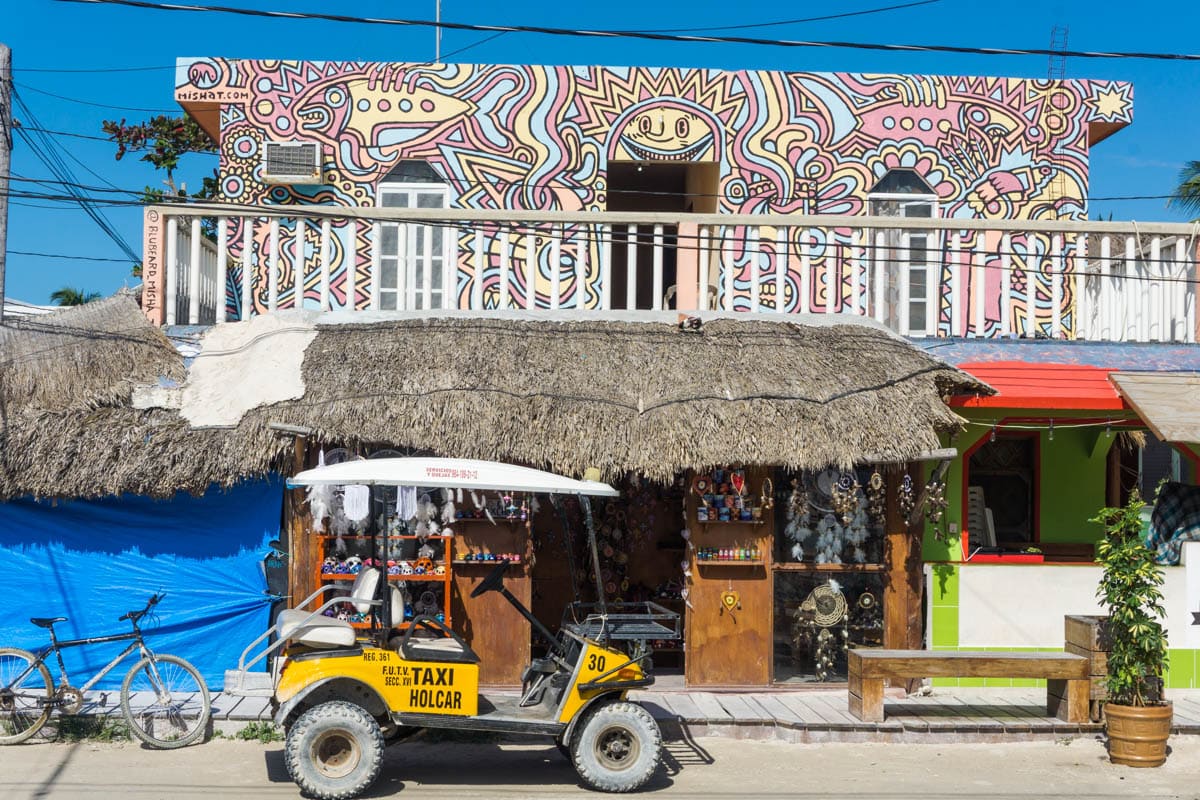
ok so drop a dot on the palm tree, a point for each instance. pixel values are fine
(69, 296)
(1187, 194)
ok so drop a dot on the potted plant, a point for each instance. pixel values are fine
(1138, 719)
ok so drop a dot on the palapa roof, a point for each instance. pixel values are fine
(620, 395)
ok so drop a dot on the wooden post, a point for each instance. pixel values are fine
(303, 547)
(902, 626)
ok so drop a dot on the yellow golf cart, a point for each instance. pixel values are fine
(341, 697)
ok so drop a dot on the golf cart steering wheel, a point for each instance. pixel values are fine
(493, 581)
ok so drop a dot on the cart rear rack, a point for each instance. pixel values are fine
(622, 621)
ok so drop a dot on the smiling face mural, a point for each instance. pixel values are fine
(665, 129)
(526, 137)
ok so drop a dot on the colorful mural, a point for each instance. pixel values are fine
(542, 138)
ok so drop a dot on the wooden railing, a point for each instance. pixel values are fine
(920, 277)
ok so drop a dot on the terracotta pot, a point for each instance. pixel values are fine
(1137, 735)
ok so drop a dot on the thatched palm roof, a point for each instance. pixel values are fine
(639, 396)
(82, 357)
(619, 395)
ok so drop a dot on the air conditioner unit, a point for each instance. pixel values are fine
(291, 162)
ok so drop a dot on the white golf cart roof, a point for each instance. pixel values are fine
(450, 473)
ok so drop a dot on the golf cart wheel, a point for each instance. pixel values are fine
(616, 747)
(334, 751)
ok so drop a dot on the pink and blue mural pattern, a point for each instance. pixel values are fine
(542, 138)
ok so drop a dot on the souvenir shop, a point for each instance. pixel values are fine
(775, 574)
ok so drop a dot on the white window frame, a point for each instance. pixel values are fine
(436, 291)
(911, 242)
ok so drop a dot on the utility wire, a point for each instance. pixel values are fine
(95, 69)
(34, 89)
(47, 152)
(67, 257)
(782, 22)
(551, 185)
(938, 256)
(658, 37)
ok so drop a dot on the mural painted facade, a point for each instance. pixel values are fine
(543, 138)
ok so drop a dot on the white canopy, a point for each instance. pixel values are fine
(450, 473)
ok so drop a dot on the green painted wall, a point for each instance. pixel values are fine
(1071, 490)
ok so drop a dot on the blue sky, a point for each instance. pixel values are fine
(72, 50)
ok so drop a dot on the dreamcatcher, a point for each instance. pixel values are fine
(905, 498)
(820, 627)
(876, 499)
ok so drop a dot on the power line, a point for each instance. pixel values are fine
(646, 35)
(461, 182)
(782, 22)
(96, 69)
(47, 152)
(28, 88)
(67, 257)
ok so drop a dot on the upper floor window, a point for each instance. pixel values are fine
(911, 254)
(415, 259)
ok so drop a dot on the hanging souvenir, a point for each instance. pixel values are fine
(876, 499)
(843, 494)
(935, 501)
(737, 480)
(768, 494)
(906, 500)
(356, 502)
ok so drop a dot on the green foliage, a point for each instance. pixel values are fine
(93, 729)
(1187, 193)
(260, 731)
(1129, 589)
(164, 141)
(69, 296)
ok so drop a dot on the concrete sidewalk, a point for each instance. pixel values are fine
(948, 714)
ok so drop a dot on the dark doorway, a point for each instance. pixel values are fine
(1006, 470)
(666, 187)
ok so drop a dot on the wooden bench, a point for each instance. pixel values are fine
(1066, 676)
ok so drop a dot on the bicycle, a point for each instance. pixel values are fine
(163, 698)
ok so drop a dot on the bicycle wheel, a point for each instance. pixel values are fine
(26, 692)
(165, 702)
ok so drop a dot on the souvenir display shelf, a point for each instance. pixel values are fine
(444, 560)
(503, 537)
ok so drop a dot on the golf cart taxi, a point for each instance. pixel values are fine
(341, 695)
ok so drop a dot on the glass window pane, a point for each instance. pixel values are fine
(387, 273)
(390, 199)
(388, 240)
(818, 616)
(437, 234)
(431, 200)
(387, 301)
(916, 316)
(922, 210)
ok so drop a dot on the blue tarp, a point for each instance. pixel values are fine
(93, 560)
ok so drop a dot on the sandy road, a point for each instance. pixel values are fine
(709, 768)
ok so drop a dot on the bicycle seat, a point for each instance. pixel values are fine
(46, 622)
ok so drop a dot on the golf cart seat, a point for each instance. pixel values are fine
(329, 632)
(450, 648)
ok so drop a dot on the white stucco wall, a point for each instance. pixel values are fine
(1001, 605)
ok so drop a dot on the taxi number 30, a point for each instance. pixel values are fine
(596, 663)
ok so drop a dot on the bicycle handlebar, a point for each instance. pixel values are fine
(154, 600)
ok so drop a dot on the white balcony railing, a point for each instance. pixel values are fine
(199, 296)
(920, 277)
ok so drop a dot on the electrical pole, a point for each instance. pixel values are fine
(437, 42)
(5, 155)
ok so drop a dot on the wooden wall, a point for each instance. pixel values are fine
(730, 648)
(489, 623)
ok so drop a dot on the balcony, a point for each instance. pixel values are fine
(1106, 281)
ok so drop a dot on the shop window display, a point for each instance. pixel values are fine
(830, 517)
(818, 617)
